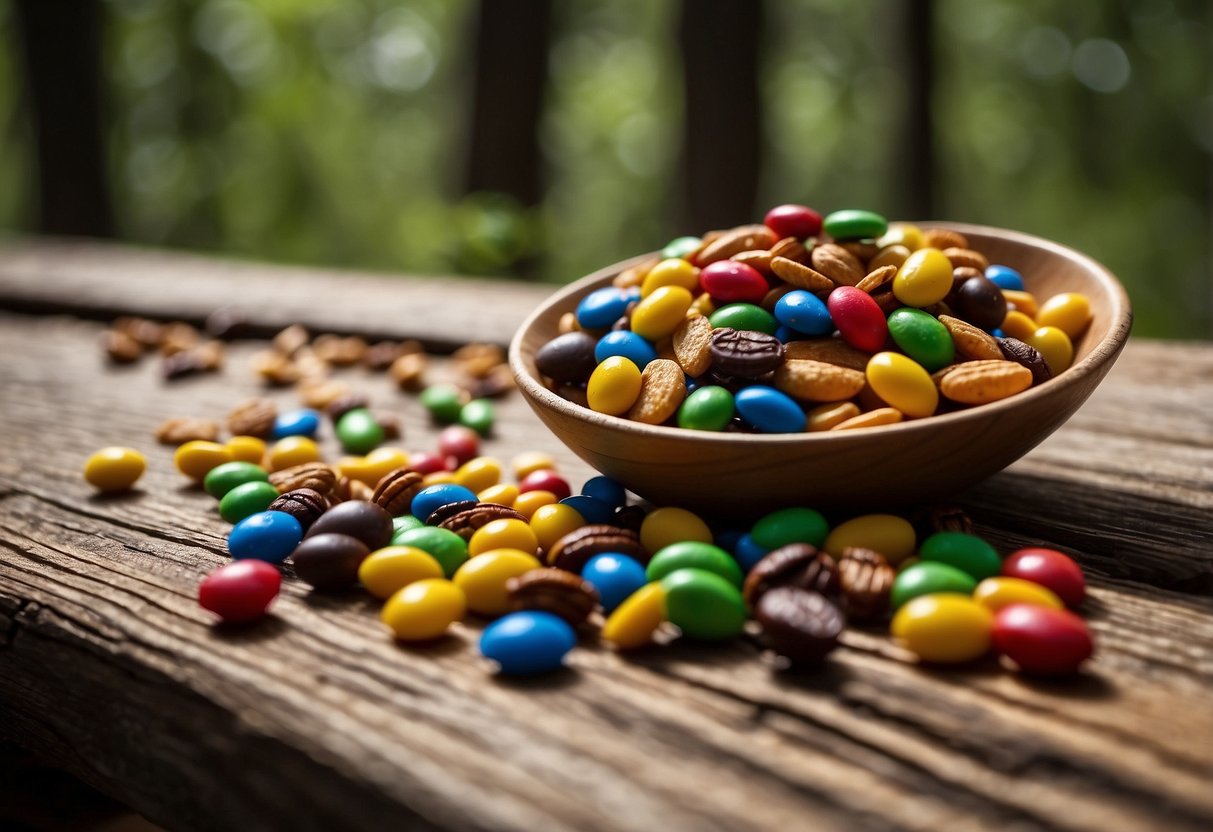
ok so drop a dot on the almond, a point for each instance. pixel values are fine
(800, 275)
(966, 257)
(792, 249)
(942, 238)
(734, 241)
(838, 264)
(970, 341)
(981, 382)
(818, 381)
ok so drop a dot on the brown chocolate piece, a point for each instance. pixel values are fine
(1019, 352)
(796, 564)
(356, 518)
(329, 561)
(799, 625)
(744, 353)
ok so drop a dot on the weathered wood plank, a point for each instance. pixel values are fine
(316, 719)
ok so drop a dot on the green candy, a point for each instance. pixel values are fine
(478, 415)
(446, 547)
(922, 337)
(855, 224)
(402, 524)
(223, 478)
(790, 525)
(246, 500)
(744, 316)
(680, 247)
(707, 408)
(444, 402)
(691, 554)
(927, 578)
(703, 605)
(359, 432)
(967, 552)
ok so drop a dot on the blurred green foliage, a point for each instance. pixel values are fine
(331, 131)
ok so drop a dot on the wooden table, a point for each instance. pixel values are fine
(315, 719)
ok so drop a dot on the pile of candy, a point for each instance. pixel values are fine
(808, 324)
(545, 565)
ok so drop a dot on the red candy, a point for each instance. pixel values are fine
(798, 221)
(728, 281)
(240, 591)
(858, 318)
(460, 442)
(1049, 568)
(1042, 640)
(428, 463)
(545, 480)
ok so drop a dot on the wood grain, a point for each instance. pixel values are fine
(315, 719)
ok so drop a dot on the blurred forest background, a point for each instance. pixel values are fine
(338, 132)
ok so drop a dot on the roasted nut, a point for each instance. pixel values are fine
(408, 371)
(477, 359)
(871, 419)
(797, 564)
(800, 275)
(950, 518)
(866, 580)
(338, 351)
(827, 416)
(304, 504)
(556, 591)
(314, 475)
(734, 241)
(970, 341)
(319, 393)
(966, 258)
(818, 381)
(692, 343)
(635, 275)
(836, 263)
(759, 260)
(274, 368)
(942, 238)
(829, 350)
(254, 417)
(395, 491)
(790, 248)
(662, 389)
(575, 549)
(471, 517)
(982, 382)
(290, 340)
(877, 279)
(119, 347)
(146, 333)
(184, 429)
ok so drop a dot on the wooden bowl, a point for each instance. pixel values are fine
(913, 461)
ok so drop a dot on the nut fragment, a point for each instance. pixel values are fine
(290, 340)
(791, 249)
(396, 489)
(758, 260)
(818, 381)
(827, 416)
(836, 263)
(970, 341)
(866, 579)
(556, 591)
(982, 382)
(408, 371)
(662, 389)
(120, 347)
(692, 344)
(274, 368)
(871, 419)
(800, 275)
(184, 429)
(314, 475)
(877, 279)
(254, 417)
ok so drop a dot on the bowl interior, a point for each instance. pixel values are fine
(907, 462)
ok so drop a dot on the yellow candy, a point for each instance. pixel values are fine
(483, 579)
(996, 593)
(1070, 312)
(506, 533)
(1018, 325)
(903, 383)
(661, 312)
(292, 451)
(390, 569)
(479, 473)
(703, 304)
(664, 526)
(924, 278)
(614, 385)
(902, 234)
(114, 469)
(672, 272)
(438, 478)
(1054, 345)
(890, 256)
(888, 534)
(196, 458)
(529, 502)
(554, 521)
(374, 466)
(1025, 302)
(633, 622)
(424, 609)
(503, 494)
(531, 462)
(246, 449)
(944, 628)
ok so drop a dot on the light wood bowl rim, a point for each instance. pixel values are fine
(1104, 351)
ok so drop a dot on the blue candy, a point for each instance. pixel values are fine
(606, 489)
(602, 308)
(302, 422)
(267, 535)
(769, 410)
(429, 500)
(1004, 277)
(527, 643)
(615, 577)
(804, 312)
(592, 510)
(626, 343)
(748, 552)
